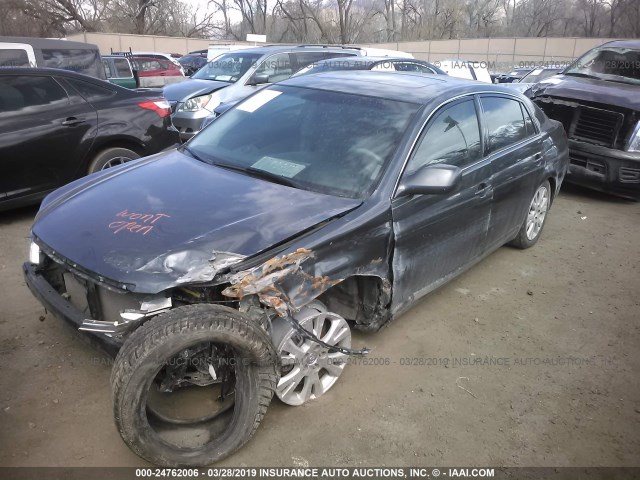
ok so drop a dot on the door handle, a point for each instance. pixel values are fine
(482, 190)
(69, 122)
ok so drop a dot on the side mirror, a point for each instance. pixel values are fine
(259, 78)
(432, 179)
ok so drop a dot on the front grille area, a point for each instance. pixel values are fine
(591, 123)
(596, 125)
(92, 299)
(593, 165)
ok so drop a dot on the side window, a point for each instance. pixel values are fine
(30, 94)
(14, 57)
(89, 91)
(278, 67)
(107, 68)
(122, 69)
(307, 58)
(452, 137)
(529, 127)
(504, 120)
(412, 67)
(81, 61)
(385, 65)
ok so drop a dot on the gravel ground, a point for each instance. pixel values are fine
(531, 358)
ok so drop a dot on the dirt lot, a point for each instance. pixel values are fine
(541, 350)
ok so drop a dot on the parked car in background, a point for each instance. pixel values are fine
(159, 56)
(370, 63)
(234, 267)
(119, 71)
(236, 75)
(44, 52)
(525, 84)
(156, 72)
(57, 126)
(597, 99)
(468, 69)
(512, 76)
(191, 63)
(538, 74)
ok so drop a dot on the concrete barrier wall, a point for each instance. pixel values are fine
(499, 53)
(120, 42)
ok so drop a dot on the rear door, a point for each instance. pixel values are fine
(437, 236)
(43, 134)
(514, 146)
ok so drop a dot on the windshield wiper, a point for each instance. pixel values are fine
(585, 75)
(185, 148)
(256, 172)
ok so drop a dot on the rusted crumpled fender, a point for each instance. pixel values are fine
(280, 282)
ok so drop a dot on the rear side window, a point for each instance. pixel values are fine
(529, 128)
(89, 91)
(504, 120)
(306, 58)
(85, 61)
(30, 94)
(452, 138)
(14, 57)
(122, 68)
(412, 67)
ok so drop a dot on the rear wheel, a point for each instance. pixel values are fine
(536, 216)
(191, 386)
(112, 157)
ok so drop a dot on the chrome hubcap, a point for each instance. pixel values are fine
(308, 369)
(537, 212)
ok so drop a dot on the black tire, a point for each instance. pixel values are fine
(103, 158)
(148, 348)
(523, 240)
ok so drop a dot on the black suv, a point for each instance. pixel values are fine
(597, 99)
(57, 125)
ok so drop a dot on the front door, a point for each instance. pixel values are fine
(437, 236)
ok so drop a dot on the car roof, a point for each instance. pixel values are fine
(635, 44)
(47, 71)
(356, 60)
(401, 86)
(269, 49)
(48, 43)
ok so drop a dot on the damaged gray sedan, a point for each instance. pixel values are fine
(236, 266)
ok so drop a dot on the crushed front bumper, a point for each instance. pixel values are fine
(63, 309)
(604, 169)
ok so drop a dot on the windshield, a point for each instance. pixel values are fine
(609, 63)
(228, 67)
(328, 142)
(539, 74)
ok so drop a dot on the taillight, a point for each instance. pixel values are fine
(161, 107)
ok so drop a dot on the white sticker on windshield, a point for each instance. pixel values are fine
(253, 103)
(278, 166)
(537, 71)
(552, 81)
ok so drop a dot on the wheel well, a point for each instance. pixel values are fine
(552, 184)
(363, 299)
(115, 143)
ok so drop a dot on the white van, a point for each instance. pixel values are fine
(469, 69)
(53, 53)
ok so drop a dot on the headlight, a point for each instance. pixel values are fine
(34, 254)
(634, 141)
(198, 103)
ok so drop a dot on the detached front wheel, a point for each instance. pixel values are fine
(192, 385)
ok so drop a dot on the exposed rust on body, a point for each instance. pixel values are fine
(266, 281)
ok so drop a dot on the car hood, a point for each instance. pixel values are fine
(590, 90)
(193, 87)
(171, 220)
